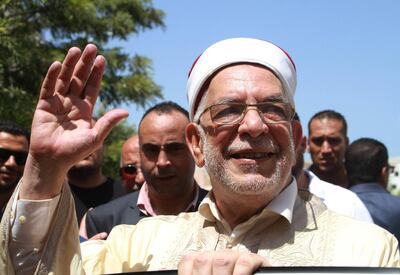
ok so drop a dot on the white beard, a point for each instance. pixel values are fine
(254, 182)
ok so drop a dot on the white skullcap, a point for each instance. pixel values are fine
(238, 50)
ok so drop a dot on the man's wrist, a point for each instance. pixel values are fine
(41, 181)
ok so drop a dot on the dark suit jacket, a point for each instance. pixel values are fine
(383, 207)
(120, 211)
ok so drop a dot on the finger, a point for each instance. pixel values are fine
(223, 263)
(203, 264)
(67, 69)
(185, 265)
(105, 124)
(99, 236)
(50, 80)
(82, 70)
(248, 264)
(92, 88)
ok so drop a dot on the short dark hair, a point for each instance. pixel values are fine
(165, 107)
(364, 160)
(14, 128)
(330, 114)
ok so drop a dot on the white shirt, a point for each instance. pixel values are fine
(338, 199)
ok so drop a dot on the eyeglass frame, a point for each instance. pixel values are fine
(245, 110)
(124, 174)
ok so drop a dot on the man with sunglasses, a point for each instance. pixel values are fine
(14, 144)
(130, 172)
(241, 100)
(168, 169)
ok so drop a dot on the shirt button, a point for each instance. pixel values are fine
(22, 219)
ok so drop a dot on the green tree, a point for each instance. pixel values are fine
(33, 33)
(113, 144)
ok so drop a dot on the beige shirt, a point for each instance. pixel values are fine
(290, 231)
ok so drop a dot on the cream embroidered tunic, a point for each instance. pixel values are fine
(290, 231)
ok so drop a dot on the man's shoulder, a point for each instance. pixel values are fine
(345, 240)
(325, 189)
(352, 228)
(369, 188)
(339, 199)
(128, 200)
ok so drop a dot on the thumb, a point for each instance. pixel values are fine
(107, 122)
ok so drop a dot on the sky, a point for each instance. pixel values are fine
(347, 54)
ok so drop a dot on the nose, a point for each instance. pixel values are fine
(11, 162)
(252, 123)
(162, 159)
(326, 147)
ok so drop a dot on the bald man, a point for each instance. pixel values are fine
(130, 172)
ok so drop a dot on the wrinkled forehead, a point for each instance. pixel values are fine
(231, 83)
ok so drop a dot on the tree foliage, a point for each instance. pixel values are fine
(113, 145)
(33, 33)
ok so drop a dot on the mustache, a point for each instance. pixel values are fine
(165, 172)
(5, 169)
(265, 144)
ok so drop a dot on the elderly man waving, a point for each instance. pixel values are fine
(241, 104)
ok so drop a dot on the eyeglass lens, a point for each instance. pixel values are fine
(20, 157)
(129, 169)
(154, 149)
(232, 113)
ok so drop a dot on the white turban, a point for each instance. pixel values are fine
(238, 50)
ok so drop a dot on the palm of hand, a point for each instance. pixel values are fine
(62, 129)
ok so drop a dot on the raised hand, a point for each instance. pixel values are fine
(62, 129)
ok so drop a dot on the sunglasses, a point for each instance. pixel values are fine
(129, 170)
(19, 156)
(170, 148)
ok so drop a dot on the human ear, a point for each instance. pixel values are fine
(297, 134)
(194, 143)
(384, 176)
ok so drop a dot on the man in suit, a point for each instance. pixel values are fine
(168, 169)
(368, 171)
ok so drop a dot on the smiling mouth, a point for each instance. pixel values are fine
(257, 155)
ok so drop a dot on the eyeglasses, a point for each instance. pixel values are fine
(19, 156)
(128, 171)
(151, 149)
(233, 113)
